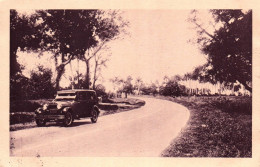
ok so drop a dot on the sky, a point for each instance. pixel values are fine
(157, 45)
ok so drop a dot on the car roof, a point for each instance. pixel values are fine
(75, 90)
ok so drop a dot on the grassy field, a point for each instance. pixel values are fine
(218, 127)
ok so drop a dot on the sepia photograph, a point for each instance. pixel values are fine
(130, 83)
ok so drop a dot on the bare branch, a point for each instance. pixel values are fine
(203, 30)
(67, 61)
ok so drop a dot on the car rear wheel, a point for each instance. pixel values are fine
(94, 116)
(68, 119)
(40, 122)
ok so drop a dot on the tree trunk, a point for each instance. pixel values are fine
(87, 76)
(14, 66)
(78, 75)
(246, 86)
(60, 71)
(95, 75)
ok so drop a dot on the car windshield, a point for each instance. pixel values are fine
(65, 96)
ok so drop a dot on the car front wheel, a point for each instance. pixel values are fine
(40, 122)
(68, 119)
(94, 116)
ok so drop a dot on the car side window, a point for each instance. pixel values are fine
(91, 96)
(88, 96)
(82, 96)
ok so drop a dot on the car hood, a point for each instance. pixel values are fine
(54, 104)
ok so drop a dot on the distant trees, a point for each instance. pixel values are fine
(198, 81)
(149, 89)
(190, 84)
(123, 85)
(172, 88)
(101, 90)
(138, 84)
(128, 86)
(117, 85)
(228, 47)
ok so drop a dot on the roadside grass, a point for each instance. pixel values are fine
(117, 105)
(22, 112)
(218, 127)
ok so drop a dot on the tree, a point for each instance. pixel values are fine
(172, 88)
(101, 90)
(76, 82)
(123, 86)
(149, 89)
(100, 61)
(200, 73)
(69, 33)
(128, 86)
(109, 25)
(229, 47)
(177, 78)
(40, 84)
(18, 87)
(25, 34)
(138, 84)
(117, 84)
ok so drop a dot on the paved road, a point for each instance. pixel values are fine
(145, 132)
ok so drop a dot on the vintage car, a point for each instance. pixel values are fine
(69, 105)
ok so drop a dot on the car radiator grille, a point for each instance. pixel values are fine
(53, 111)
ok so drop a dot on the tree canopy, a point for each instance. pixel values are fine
(229, 47)
(67, 34)
(25, 34)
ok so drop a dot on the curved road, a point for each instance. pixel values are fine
(145, 132)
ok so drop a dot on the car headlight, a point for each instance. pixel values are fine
(59, 106)
(38, 111)
(45, 106)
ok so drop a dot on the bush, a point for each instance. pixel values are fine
(21, 118)
(108, 106)
(39, 85)
(243, 105)
(23, 106)
(172, 88)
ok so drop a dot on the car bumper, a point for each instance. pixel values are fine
(50, 117)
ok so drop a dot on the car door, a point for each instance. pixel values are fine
(89, 104)
(82, 104)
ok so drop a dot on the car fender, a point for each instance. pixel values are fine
(66, 109)
(38, 110)
(96, 107)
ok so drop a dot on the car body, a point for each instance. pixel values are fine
(69, 105)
